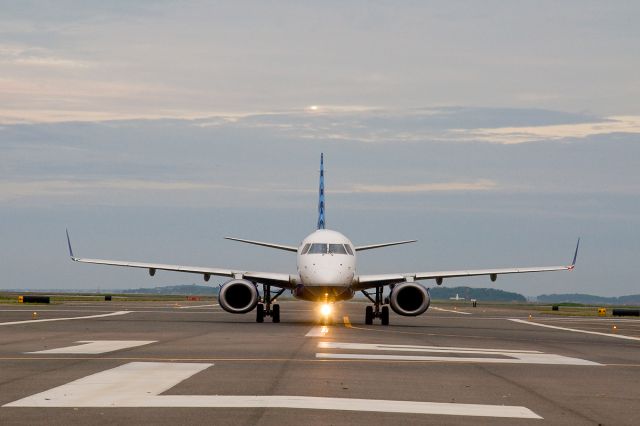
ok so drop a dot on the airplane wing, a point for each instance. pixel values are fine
(271, 278)
(363, 282)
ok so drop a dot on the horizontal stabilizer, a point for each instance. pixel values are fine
(374, 246)
(260, 243)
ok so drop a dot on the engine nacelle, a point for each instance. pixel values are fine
(409, 299)
(238, 296)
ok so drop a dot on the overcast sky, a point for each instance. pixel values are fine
(495, 133)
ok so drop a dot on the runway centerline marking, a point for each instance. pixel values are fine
(319, 331)
(93, 347)
(507, 356)
(346, 321)
(139, 384)
(450, 310)
(36, 321)
(575, 330)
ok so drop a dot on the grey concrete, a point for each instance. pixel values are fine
(277, 359)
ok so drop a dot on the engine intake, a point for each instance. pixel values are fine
(409, 299)
(238, 296)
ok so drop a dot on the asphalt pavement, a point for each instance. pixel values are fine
(192, 363)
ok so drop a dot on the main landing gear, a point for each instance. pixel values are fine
(376, 311)
(266, 308)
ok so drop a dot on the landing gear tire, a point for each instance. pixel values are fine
(260, 312)
(368, 315)
(275, 313)
(384, 317)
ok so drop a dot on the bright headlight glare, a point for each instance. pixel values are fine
(326, 309)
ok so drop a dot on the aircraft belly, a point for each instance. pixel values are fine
(323, 293)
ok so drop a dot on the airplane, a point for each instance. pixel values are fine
(457, 298)
(326, 273)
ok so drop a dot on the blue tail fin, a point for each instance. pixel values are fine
(321, 195)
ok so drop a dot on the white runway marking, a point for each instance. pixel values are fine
(575, 330)
(197, 306)
(450, 310)
(320, 331)
(54, 310)
(139, 384)
(508, 356)
(593, 320)
(65, 319)
(417, 348)
(93, 347)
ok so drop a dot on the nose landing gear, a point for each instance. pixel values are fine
(376, 311)
(266, 309)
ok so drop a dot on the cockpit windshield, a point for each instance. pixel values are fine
(337, 249)
(320, 248)
(317, 249)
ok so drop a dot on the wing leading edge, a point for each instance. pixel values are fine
(363, 282)
(272, 278)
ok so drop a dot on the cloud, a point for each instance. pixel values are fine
(478, 185)
(67, 188)
(75, 190)
(21, 55)
(515, 135)
(50, 61)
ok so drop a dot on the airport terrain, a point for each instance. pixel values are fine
(178, 362)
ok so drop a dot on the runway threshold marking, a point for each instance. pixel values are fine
(93, 347)
(139, 384)
(575, 330)
(36, 321)
(508, 356)
(450, 310)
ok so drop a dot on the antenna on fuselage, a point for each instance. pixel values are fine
(321, 195)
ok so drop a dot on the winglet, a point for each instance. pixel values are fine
(321, 194)
(69, 244)
(575, 255)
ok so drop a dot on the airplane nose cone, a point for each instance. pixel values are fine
(329, 276)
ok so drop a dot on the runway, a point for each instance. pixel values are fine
(192, 363)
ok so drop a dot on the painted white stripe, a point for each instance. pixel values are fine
(415, 348)
(592, 320)
(617, 336)
(197, 306)
(65, 319)
(93, 347)
(450, 310)
(138, 384)
(320, 331)
(507, 356)
(549, 359)
(54, 310)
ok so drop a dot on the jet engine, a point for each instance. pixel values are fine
(238, 296)
(409, 299)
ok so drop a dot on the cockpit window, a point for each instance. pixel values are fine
(320, 248)
(317, 249)
(337, 249)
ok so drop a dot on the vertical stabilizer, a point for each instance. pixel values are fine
(321, 195)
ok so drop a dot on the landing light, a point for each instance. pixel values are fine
(326, 309)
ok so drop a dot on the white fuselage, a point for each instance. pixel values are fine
(326, 263)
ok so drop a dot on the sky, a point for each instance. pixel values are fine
(496, 133)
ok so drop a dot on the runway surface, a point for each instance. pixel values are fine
(192, 363)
